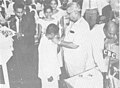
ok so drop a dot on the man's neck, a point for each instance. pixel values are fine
(78, 18)
(19, 16)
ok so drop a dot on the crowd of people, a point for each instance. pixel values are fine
(63, 43)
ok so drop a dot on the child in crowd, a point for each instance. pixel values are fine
(49, 68)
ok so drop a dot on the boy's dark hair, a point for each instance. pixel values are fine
(52, 28)
(18, 5)
(47, 7)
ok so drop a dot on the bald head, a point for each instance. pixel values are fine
(111, 25)
(111, 29)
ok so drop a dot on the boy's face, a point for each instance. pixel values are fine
(50, 36)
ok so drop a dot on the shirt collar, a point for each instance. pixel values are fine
(79, 20)
(77, 23)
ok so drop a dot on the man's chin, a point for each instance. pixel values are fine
(73, 20)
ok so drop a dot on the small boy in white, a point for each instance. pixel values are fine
(49, 67)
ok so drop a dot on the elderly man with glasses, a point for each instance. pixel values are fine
(78, 52)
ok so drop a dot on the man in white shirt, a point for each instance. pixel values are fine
(76, 42)
(91, 9)
(100, 35)
(78, 52)
(91, 4)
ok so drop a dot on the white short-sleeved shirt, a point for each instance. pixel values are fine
(76, 59)
(48, 61)
(98, 36)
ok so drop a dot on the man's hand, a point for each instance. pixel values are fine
(64, 43)
(19, 35)
(50, 79)
(36, 37)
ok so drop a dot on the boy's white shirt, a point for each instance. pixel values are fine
(48, 61)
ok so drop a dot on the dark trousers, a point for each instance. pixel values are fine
(23, 67)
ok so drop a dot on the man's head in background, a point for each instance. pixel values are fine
(74, 11)
(64, 4)
(92, 17)
(115, 5)
(53, 4)
(19, 9)
(52, 31)
(48, 11)
(111, 29)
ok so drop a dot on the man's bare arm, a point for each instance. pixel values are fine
(66, 44)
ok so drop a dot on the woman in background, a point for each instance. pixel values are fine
(43, 23)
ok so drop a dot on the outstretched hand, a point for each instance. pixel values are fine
(50, 79)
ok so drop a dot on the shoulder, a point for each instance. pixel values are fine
(43, 41)
(97, 31)
(98, 28)
(12, 19)
(83, 24)
(83, 21)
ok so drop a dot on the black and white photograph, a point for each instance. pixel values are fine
(59, 44)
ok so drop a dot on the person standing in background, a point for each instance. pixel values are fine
(103, 35)
(23, 65)
(43, 23)
(92, 9)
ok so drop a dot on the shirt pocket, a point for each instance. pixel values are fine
(70, 36)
